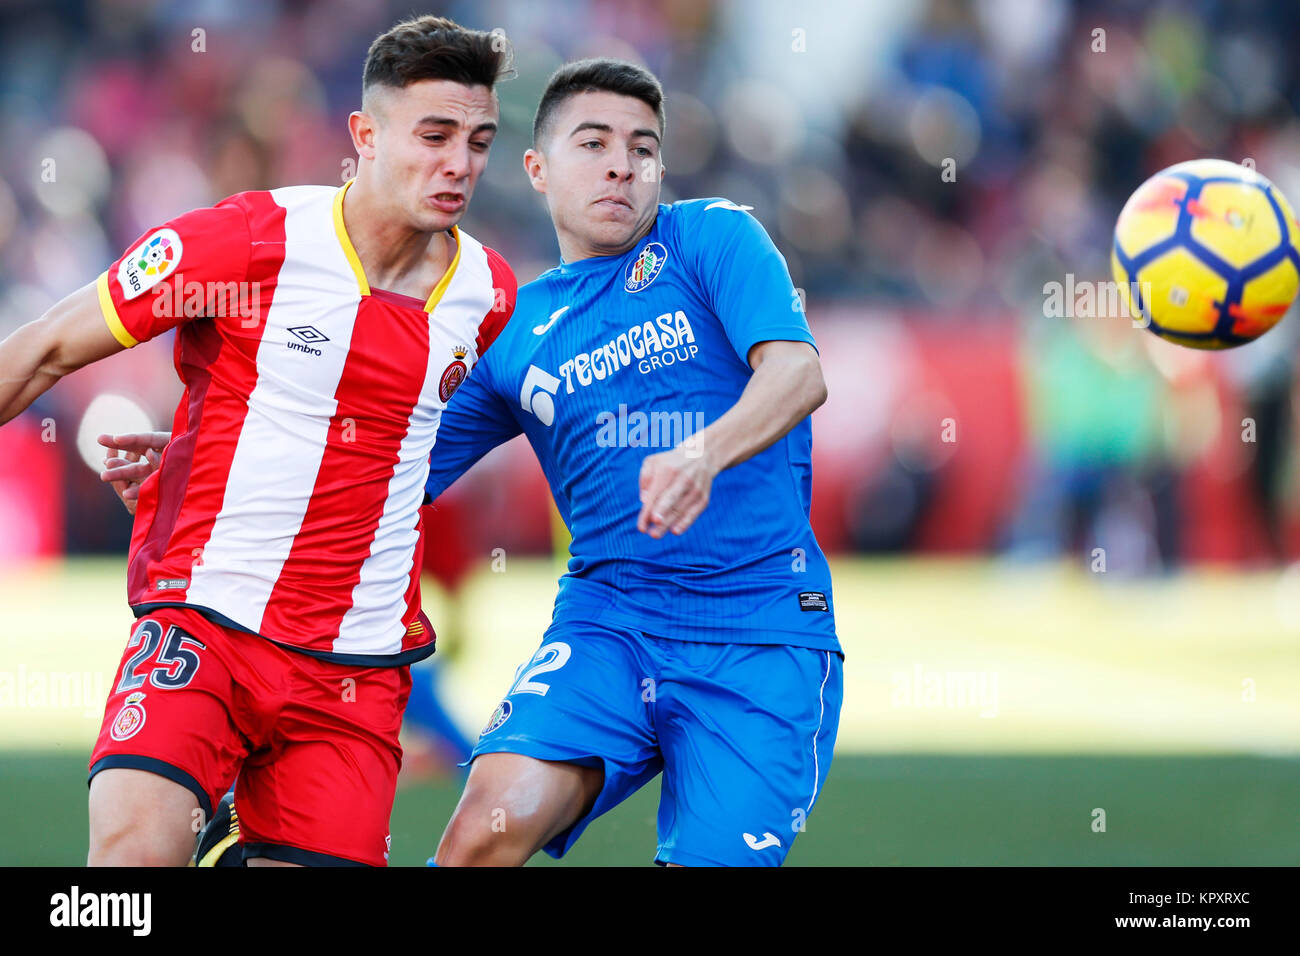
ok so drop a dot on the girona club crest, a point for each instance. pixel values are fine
(129, 719)
(454, 374)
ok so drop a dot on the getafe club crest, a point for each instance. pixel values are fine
(645, 267)
(499, 717)
(129, 719)
(454, 374)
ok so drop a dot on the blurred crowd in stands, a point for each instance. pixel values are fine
(926, 168)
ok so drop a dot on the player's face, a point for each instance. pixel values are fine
(431, 145)
(600, 169)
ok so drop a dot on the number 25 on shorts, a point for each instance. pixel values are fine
(174, 667)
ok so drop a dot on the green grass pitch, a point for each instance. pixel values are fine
(989, 712)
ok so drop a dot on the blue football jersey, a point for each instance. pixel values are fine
(610, 359)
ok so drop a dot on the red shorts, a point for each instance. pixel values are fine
(314, 743)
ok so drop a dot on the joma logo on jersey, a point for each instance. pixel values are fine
(307, 334)
(667, 340)
(769, 839)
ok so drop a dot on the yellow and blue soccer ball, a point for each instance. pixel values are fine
(1207, 253)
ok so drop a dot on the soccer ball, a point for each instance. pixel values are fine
(1206, 253)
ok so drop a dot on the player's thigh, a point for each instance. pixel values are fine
(514, 805)
(321, 793)
(167, 727)
(747, 733)
(576, 705)
(139, 818)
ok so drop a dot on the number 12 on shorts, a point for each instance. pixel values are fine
(174, 667)
(549, 657)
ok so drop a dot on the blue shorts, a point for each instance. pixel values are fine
(742, 732)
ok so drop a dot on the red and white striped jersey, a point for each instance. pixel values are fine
(287, 501)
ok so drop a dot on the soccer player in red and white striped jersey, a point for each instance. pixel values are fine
(274, 563)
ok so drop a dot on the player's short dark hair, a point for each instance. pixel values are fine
(436, 48)
(597, 76)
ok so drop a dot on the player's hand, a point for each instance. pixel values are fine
(131, 458)
(675, 489)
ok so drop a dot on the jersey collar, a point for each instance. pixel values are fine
(353, 260)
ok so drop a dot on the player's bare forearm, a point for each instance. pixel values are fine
(22, 380)
(70, 335)
(786, 387)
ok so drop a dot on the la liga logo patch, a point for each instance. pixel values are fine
(149, 263)
(129, 719)
(643, 270)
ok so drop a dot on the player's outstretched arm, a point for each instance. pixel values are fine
(70, 335)
(786, 387)
(131, 458)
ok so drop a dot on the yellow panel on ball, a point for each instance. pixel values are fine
(1183, 293)
(1265, 300)
(1235, 221)
(1150, 215)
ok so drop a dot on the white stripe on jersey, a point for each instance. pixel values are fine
(278, 455)
(368, 626)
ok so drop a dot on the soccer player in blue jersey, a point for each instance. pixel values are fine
(664, 374)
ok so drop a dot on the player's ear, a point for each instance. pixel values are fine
(535, 167)
(362, 126)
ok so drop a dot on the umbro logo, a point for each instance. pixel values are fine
(307, 334)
